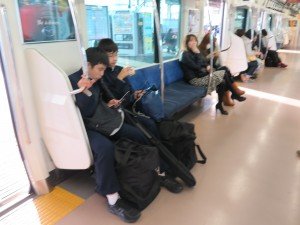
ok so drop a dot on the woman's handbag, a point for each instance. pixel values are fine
(150, 104)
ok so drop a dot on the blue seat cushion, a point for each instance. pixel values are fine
(172, 71)
(145, 78)
(179, 95)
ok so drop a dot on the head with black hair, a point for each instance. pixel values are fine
(249, 35)
(111, 48)
(97, 62)
(190, 41)
(240, 32)
(264, 32)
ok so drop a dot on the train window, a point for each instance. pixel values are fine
(270, 22)
(240, 19)
(129, 23)
(170, 24)
(216, 13)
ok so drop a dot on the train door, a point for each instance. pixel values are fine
(14, 183)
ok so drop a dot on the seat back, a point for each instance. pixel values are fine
(235, 57)
(145, 77)
(172, 71)
(61, 124)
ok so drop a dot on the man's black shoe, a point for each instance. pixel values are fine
(239, 98)
(124, 211)
(171, 184)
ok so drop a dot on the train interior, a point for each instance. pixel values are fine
(252, 174)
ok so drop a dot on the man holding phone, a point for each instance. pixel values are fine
(114, 80)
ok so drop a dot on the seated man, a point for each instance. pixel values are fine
(102, 147)
(115, 82)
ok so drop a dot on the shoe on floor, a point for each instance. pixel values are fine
(124, 211)
(239, 98)
(170, 184)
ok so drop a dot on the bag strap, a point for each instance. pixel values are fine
(203, 161)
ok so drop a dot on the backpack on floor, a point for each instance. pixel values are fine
(179, 138)
(136, 170)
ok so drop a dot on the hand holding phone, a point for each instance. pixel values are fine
(123, 97)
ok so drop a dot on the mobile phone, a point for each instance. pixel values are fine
(123, 97)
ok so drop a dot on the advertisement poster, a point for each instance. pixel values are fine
(46, 20)
(194, 22)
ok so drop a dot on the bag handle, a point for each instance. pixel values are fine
(203, 161)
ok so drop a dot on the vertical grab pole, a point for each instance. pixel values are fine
(250, 22)
(260, 29)
(9, 67)
(82, 53)
(211, 44)
(159, 41)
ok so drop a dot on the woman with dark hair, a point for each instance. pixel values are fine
(196, 71)
(205, 50)
(251, 55)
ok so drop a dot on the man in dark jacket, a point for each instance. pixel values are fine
(112, 127)
(115, 80)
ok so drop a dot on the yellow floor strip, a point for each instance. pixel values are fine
(54, 206)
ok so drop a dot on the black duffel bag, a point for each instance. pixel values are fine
(136, 171)
(179, 138)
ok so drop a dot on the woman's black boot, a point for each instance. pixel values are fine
(220, 107)
(221, 92)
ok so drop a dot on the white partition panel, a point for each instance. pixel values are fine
(60, 121)
(235, 57)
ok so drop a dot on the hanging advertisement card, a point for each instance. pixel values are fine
(46, 21)
(194, 22)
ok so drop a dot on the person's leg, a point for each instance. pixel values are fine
(132, 133)
(149, 124)
(106, 179)
(104, 160)
(221, 92)
(252, 66)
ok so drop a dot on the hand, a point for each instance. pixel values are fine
(125, 72)
(195, 49)
(258, 54)
(85, 82)
(114, 103)
(216, 54)
(137, 94)
(208, 69)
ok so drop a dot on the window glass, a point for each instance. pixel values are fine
(269, 22)
(240, 19)
(129, 23)
(170, 24)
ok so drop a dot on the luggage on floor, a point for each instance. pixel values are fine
(136, 171)
(179, 138)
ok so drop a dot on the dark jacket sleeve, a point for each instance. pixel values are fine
(193, 65)
(86, 104)
(118, 87)
(193, 61)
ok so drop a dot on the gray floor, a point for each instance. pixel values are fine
(252, 175)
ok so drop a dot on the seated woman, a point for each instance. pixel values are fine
(251, 55)
(272, 55)
(204, 48)
(196, 70)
